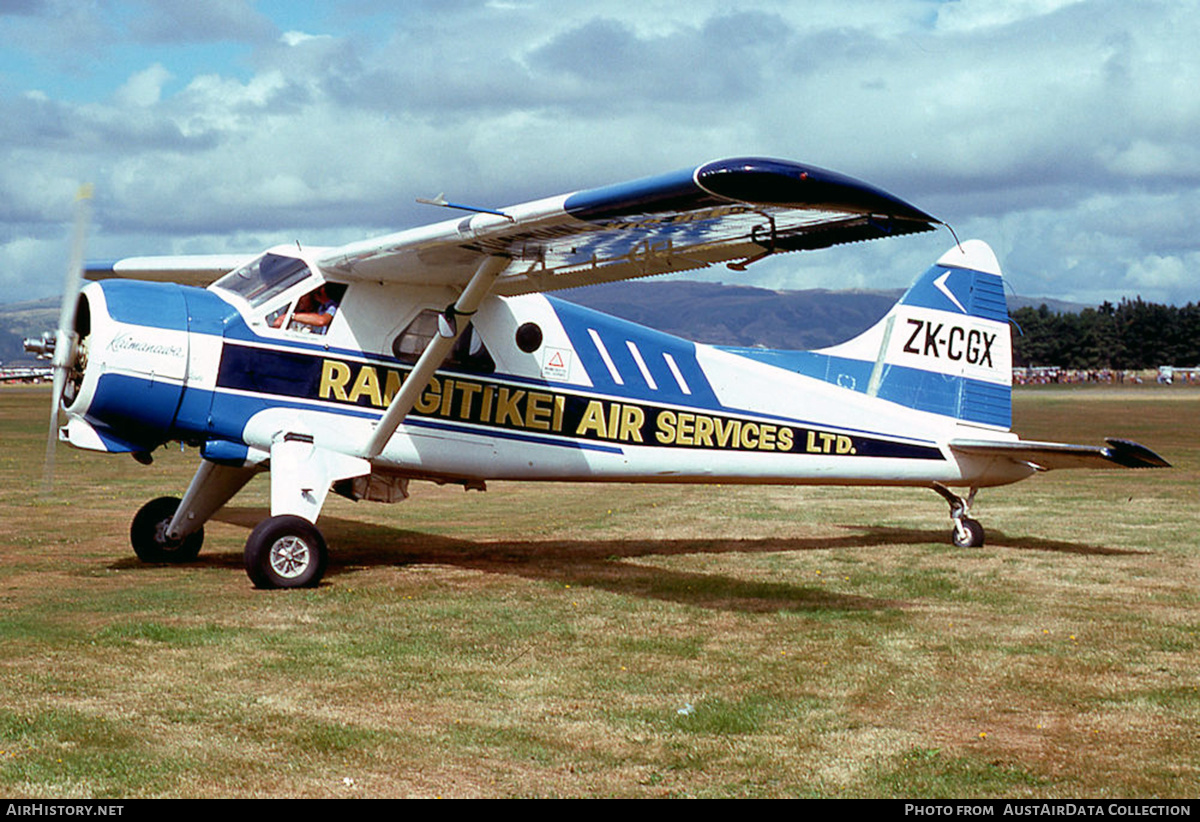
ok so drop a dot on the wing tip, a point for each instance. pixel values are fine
(1131, 454)
(771, 181)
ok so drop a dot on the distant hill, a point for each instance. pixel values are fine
(21, 320)
(746, 316)
(706, 312)
(737, 314)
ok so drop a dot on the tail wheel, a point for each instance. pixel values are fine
(967, 533)
(148, 534)
(285, 552)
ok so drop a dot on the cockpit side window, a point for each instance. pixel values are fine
(276, 317)
(265, 277)
(315, 310)
(468, 354)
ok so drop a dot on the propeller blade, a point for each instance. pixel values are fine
(65, 338)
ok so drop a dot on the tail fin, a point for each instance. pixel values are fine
(945, 347)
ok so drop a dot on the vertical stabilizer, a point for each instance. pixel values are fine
(945, 347)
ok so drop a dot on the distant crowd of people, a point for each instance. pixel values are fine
(1064, 376)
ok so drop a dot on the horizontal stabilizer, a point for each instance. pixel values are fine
(1046, 456)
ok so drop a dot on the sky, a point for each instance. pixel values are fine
(1065, 133)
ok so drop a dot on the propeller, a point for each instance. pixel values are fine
(66, 339)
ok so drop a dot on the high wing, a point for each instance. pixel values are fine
(187, 269)
(723, 211)
(1046, 456)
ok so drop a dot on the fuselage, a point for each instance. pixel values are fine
(538, 389)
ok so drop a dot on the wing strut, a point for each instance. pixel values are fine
(449, 330)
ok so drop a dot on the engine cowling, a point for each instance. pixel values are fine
(130, 368)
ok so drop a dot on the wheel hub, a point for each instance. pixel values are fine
(161, 537)
(290, 557)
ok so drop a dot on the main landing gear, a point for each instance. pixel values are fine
(282, 552)
(285, 552)
(967, 532)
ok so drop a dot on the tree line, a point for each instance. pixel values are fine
(1131, 336)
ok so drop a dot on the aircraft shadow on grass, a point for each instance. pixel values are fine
(599, 563)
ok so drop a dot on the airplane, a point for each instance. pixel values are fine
(437, 353)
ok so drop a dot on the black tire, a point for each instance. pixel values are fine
(285, 552)
(973, 537)
(148, 534)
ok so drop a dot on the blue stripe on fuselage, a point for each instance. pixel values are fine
(654, 346)
(951, 396)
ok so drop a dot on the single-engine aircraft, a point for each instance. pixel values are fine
(436, 353)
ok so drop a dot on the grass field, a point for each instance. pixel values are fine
(612, 640)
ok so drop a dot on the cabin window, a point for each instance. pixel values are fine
(265, 277)
(468, 354)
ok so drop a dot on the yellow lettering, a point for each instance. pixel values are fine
(687, 425)
(430, 398)
(334, 376)
(750, 438)
(845, 445)
(614, 420)
(485, 413)
(666, 427)
(367, 384)
(827, 441)
(766, 442)
(593, 420)
(810, 444)
(394, 381)
(704, 430)
(726, 430)
(785, 439)
(632, 418)
(537, 411)
(560, 408)
(447, 397)
(468, 391)
(506, 407)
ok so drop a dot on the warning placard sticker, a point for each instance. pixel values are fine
(556, 363)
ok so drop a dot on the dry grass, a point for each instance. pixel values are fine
(616, 640)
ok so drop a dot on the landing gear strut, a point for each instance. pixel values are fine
(967, 532)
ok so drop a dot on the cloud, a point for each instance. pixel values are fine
(144, 88)
(186, 21)
(1156, 273)
(1060, 131)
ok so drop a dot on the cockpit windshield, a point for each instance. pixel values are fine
(263, 278)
